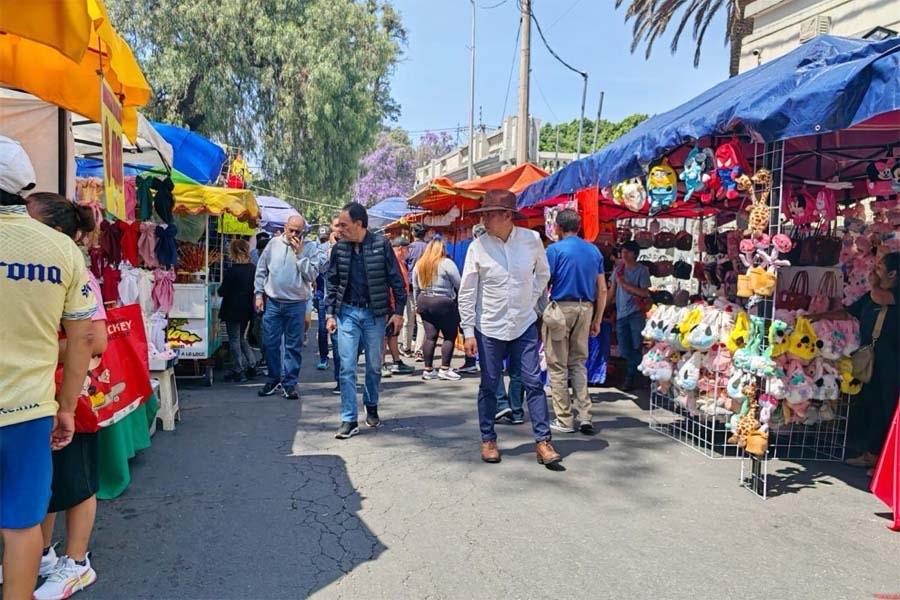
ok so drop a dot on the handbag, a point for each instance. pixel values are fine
(825, 295)
(761, 281)
(662, 268)
(864, 358)
(644, 239)
(796, 297)
(682, 270)
(828, 250)
(710, 243)
(662, 297)
(664, 240)
(684, 240)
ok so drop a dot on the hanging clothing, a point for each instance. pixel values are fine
(163, 290)
(145, 291)
(97, 261)
(130, 197)
(163, 200)
(129, 233)
(166, 246)
(110, 285)
(128, 284)
(147, 245)
(110, 241)
(145, 198)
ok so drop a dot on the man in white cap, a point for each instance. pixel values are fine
(43, 283)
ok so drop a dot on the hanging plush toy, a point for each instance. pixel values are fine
(697, 164)
(729, 165)
(781, 244)
(883, 177)
(634, 196)
(661, 186)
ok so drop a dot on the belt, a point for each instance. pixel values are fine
(570, 299)
(358, 304)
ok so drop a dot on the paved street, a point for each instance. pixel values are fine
(254, 498)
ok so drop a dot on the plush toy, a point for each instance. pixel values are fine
(883, 177)
(661, 186)
(798, 207)
(758, 219)
(825, 206)
(802, 341)
(695, 165)
(729, 165)
(746, 422)
(800, 386)
(634, 196)
(707, 332)
(655, 364)
(848, 383)
(767, 405)
(831, 339)
(848, 336)
(827, 381)
(688, 376)
(781, 244)
(778, 338)
(747, 248)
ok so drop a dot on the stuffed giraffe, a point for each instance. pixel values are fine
(758, 221)
(748, 421)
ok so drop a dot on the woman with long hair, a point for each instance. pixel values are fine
(237, 310)
(76, 475)
(872, 410)
(435, 281)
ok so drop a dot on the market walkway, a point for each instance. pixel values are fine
(254, 498)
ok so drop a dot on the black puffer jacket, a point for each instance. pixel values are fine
(383, 273)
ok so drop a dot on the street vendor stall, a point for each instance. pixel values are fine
(796, 160)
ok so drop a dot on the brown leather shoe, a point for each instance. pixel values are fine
(546, 455)
(489, 452)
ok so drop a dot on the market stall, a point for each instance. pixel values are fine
(804, 195)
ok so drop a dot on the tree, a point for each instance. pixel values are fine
(651, 18)
(388, 170)
(433, 145)
(568, 133)
(302, 85)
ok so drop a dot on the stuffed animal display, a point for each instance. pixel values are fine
(661, 186)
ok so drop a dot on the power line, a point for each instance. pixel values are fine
(499, 4)
(512, 68)
(550, 50)
(283, 196)
(544, 98)
(567, 11)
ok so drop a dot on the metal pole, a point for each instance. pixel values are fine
(581, 121)
(524, 72)
(471, 171)
(597, 124)
(557, 145)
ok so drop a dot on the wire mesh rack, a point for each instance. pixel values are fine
(697, 430)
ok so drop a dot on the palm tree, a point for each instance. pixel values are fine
(651, 18)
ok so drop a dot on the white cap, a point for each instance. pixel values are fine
(16, 171)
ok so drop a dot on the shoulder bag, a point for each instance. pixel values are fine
(864, 358)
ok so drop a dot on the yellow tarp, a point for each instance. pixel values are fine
(38, 61)
(208, 200)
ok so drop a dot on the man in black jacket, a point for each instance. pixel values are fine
(361, 276)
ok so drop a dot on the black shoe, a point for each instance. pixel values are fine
(372, 419)
(347, 430)
(587, 428)
(336, 390)
(291, 394)
(252, 373)
(267, 390)
(236, 377)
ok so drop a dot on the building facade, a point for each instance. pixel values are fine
(779, 26)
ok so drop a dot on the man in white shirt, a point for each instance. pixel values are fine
(506, 272)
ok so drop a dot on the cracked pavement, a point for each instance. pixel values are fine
(254, 498)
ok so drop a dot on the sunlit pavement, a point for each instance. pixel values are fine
(254, 498)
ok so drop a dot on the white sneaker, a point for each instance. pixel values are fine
(67, 578)
(432, 374)
(449, 375)
(47, 563)
(555, 425)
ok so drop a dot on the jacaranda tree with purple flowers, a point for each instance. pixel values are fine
(388, 170)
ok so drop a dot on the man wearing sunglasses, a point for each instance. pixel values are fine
(285, 274)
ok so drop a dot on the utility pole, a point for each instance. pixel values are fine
(581, 121)
(524, 72)
(471, 172)
(597, 124)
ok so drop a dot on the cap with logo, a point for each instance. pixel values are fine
(16, 172)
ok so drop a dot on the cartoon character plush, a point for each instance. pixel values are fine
(798, 207)
(729, 166)
(824, 206)
(661, 186)
(655, 364)
(688, 376)
(827, 381)
(634, 196)
(767, 405)
(692, 174)
(800, 386)
(882, 180)
(848, 383)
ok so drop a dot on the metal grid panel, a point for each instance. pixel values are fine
(699, 431)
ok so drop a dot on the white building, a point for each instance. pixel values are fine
(779, 26)
(495, 151)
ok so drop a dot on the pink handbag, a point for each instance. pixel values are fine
(826, 296)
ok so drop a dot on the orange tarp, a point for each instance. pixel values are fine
(442, 194)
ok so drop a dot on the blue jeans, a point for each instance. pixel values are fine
(514, 398)
(322, 333)
(283, 324)
(628, 332)
(359, 325)
(524, 352)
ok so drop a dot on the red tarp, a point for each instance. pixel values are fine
(442, 194)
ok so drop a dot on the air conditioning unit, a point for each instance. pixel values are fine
(810, 28)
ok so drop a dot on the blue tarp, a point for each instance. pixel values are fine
(195, 156)
(827, 84)
(387, 211)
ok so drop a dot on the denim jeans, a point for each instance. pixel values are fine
(283, 327)
(359, 325)
(241, 354)
(524, 352)
(628, 333)
(322, 333)
(515, 396)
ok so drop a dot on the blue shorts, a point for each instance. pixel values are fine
(26, 472)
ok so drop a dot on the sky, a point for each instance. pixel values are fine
(431, 82)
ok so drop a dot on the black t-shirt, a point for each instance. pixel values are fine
(237, 293)
(866, 312)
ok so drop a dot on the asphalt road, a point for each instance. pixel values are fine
(254, 498)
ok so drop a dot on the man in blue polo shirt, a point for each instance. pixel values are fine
(577, 300)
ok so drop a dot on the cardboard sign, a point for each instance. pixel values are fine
(113, 168)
